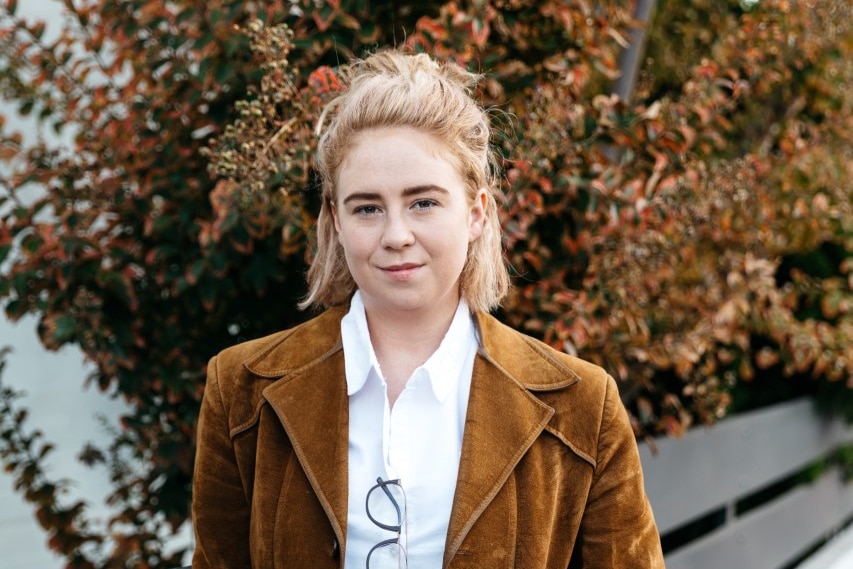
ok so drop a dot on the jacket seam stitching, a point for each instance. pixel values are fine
(581, 454)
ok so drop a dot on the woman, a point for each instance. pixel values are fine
(404, 426)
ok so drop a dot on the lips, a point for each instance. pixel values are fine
(401, 272)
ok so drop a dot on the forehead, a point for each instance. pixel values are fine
(392, 157)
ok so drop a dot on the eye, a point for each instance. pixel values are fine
(366, 210)
(424, 204)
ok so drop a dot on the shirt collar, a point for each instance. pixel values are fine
(442, 368)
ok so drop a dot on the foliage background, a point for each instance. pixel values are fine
(695, 239)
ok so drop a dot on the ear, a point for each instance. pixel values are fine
(477, 214)
(333, 210)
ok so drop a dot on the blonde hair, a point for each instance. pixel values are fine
(396, 89)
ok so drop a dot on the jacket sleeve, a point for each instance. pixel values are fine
(618, 528)
(219, 506)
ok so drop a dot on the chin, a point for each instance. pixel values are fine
(411, 300)
(409, 305)
(405, 303)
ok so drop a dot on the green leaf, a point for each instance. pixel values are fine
(26, 107)
(4, 252)
(207, 293)
(196, 270)
(203, 42)
(223, 73)
(64, 329)
(161, 224)
(368, 32)
(186, 15)
(116, 284)
(21, 282)
(14, 309)
(38, 29)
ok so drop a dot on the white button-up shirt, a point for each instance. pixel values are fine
(419, 441)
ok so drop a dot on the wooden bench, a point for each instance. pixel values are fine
(731, 495)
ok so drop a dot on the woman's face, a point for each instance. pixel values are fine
(404, 220)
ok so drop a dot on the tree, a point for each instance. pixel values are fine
(683, 239)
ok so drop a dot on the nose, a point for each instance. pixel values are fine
(397, 233)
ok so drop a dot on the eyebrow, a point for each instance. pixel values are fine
(407, 192)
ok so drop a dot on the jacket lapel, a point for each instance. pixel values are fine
(503, 421)
(312, 405)
(504, 416)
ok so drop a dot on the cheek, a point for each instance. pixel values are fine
(457, 245)
(355, 243)
(344, 242)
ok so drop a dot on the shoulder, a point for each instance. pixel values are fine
(585, 398)
(238, 374)
(277, 354)
(533, 363)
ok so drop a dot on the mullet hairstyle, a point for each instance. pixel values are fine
(392, 88)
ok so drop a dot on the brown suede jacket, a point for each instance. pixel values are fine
(549, 475)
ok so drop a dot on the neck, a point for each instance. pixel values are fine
(403, 342)
(412, 331)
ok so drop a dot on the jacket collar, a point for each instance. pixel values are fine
(509, 367)
(310, 400)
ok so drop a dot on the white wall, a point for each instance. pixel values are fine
(58, 403)
(67, 415)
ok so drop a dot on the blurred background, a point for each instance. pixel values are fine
(677, 179)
